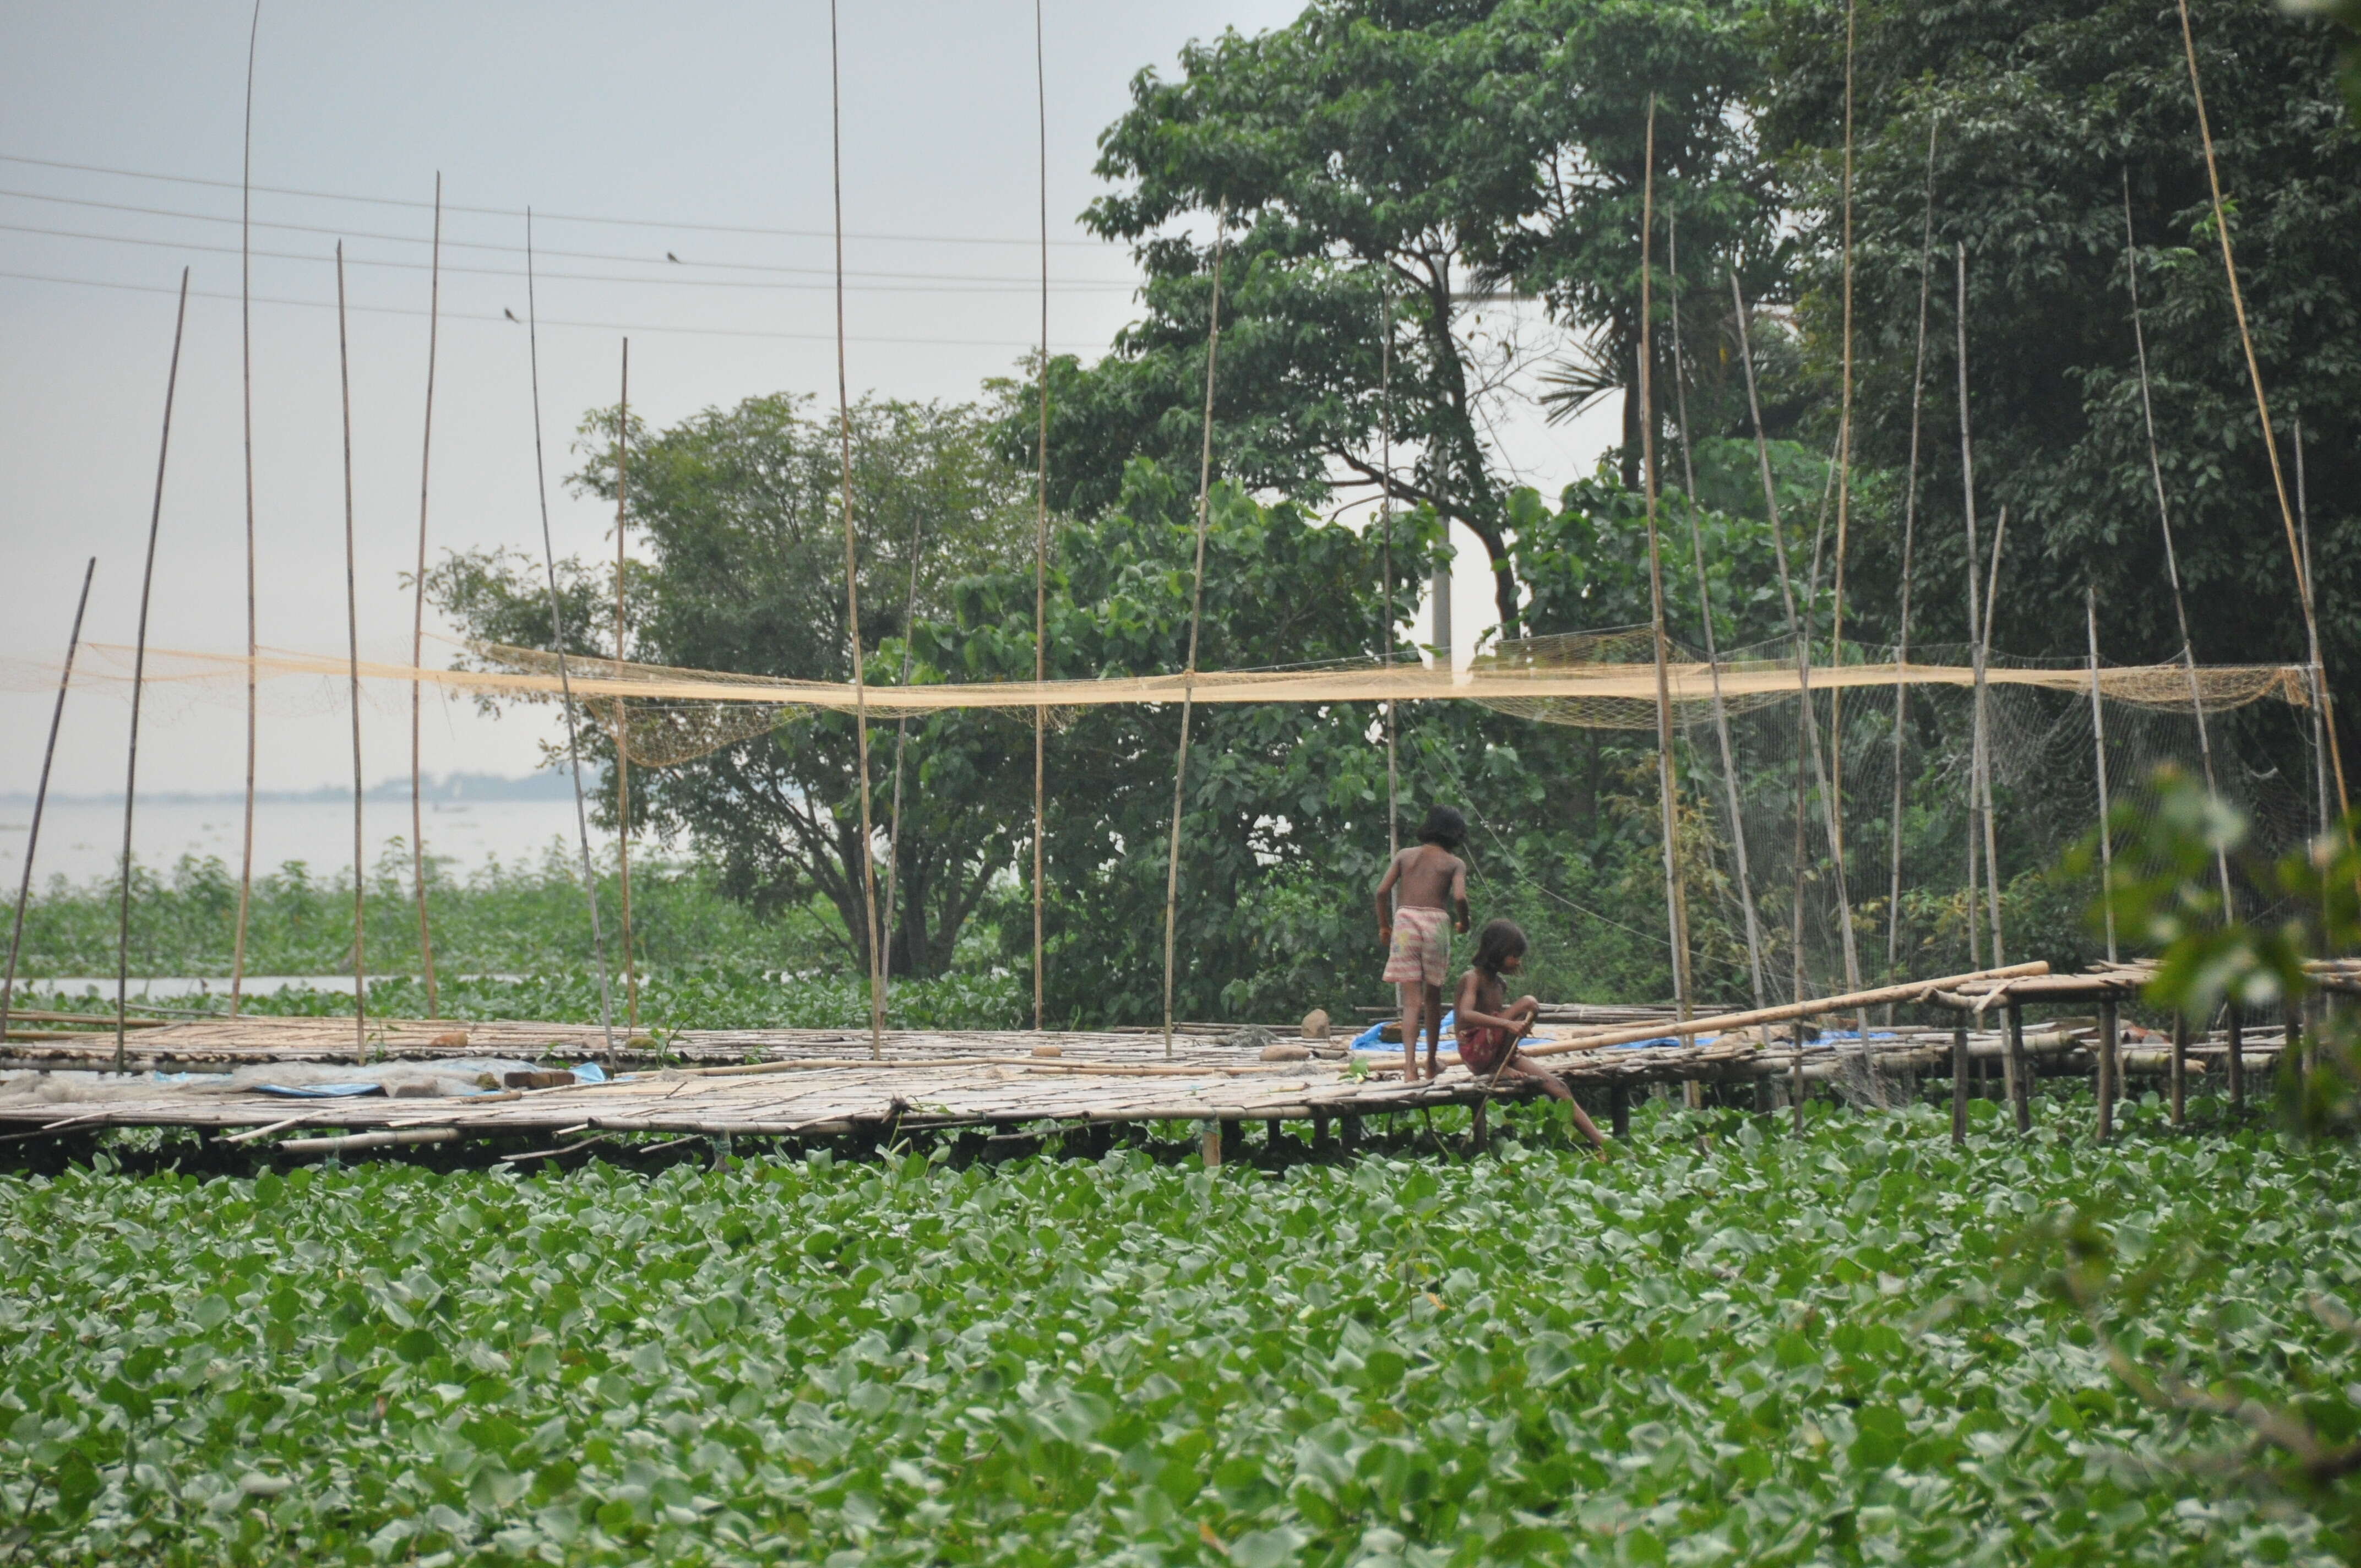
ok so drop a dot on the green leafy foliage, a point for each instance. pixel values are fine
(1778, 1350)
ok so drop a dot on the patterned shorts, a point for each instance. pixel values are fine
(1422, 949)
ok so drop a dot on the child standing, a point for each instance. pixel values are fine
(1431, 883)
(1489, 1025)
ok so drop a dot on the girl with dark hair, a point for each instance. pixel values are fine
(1489, 1025)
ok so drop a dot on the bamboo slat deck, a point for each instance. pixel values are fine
(786, 1082)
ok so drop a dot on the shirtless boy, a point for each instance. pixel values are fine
(1431, 883)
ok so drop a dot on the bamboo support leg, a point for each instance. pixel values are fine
(1763, 1104)
(1959, 1082)
(1322, 1142)
(1479, 1130)
(1351, 1130)
(1618, 1111)
(1209, 1145)
(1797, 1090)
(2020, 1075)
(2237, 1059)
(2107, 1067)
(2179, 1068)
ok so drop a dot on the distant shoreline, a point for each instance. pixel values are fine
(445, 788)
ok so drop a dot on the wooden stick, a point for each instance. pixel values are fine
(1910, 538)
(1724, 1022)
(355, 1141)
(2019, 1072)
(2171, 556)
(1844, 511)
(1959, 1081)
(1979, 624)
(246, 381)
(1984, 747)
(1041, 523)
(557, 643)
(852, 552)
(139, 678)
(40, 801)
(1386, 543)
(2255, 375)
(1675, 909)
(2179, 1068)
(2108, 1066)
(1196, 616)
(1712, 651)
(2237, 1058)
(353, 645)
(418, 612)
(2318, 679)
(622, 750)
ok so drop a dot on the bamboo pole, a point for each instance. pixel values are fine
(2255, 375)
(1196, 616)
(2171, 556)
(353, 679)
(418, 615)
(1705, 607)
(557, 643)
(1910, 539)
(1040, 524)
(1844, 515)
(2109, 1069)
(139, 681)
(2099, 743)
(1979, 807)
(1386, 545)
(2019, 1071)
(1983, 739)
(246, 393)
(1676, 911)
(41, 800)
(901, 744)
(1810, 740)
(2317, 673)
(622, 749)
(852, 553)
(1787, 1012)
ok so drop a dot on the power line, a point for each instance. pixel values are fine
(1008, 287)
(518, 250)
(519, 213)
(596, 327)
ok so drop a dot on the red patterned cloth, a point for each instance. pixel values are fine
(1483, 1048)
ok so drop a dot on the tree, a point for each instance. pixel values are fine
(2044, 113)
(1427, 154)
(740, 509)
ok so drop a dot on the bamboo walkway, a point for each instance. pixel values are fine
(208, 1074)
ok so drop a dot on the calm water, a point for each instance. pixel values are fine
(80, 840)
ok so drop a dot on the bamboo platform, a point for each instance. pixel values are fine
(206, 1075)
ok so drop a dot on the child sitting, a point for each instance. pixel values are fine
(1489, 1025)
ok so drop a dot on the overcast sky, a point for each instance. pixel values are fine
(691, 120)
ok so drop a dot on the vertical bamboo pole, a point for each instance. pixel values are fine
(558, 642)
(1909, 540)
(1960, 1080)
(2179, 1068)
(623, 742)
(2171, 556)
(418, 614)
(2255, 375)
(1984, 739)
(246, 394)
(1196, 616)
(2020, 1070)
(1705, 607)
(139, 682)
(352, 653)
(1844, 514)
(2237, 1058)
(1386, 545)
(1979, 808)
(851, 555)
(41, 801)
(1041, 522)
(2098, 745)
(901, 744)
(2316, 675)
(2109, 1068)
(1675, 913)
(1809, 741)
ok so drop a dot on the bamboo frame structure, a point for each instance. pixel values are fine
(146, 591)
(41, 801)
(1196, 616)
(418, 612)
